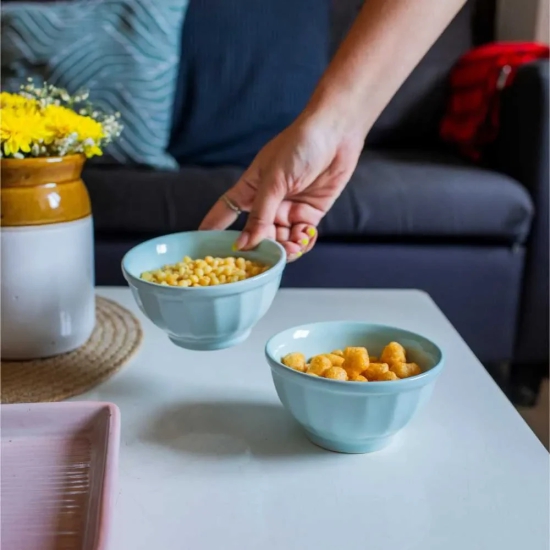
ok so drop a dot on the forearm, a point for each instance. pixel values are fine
(387, 40)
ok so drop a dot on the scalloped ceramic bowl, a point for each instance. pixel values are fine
(352, 417)
(203, 318)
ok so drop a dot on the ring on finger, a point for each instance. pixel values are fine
(231, 205)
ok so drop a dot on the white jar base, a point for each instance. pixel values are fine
(47, 289)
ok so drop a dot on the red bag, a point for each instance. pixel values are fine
(471, 120)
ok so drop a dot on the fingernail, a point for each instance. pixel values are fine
(311, 231)
(296, 256)
(241, 241)
(234, 247)
(304, 242)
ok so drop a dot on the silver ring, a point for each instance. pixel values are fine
(231, 205)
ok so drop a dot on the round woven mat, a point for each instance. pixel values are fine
(116, 337)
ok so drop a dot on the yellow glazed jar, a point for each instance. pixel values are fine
(47, 269)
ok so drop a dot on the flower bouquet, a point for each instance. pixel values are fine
(49, 122)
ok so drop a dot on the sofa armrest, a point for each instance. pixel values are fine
(522, 152)
(521, 149)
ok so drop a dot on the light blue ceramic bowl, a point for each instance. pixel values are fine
(203, 318)
(351, 417)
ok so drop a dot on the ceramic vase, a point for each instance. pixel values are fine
(47, 262)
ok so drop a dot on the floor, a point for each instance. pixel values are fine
(538, 417)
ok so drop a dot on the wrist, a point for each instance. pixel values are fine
(342, 114)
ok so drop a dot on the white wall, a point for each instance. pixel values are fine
(522, 20)
(542, 31)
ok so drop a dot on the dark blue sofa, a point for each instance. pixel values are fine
(414, 215)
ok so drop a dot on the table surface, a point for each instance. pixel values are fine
(209, 459)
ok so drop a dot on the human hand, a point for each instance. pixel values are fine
(290, 185)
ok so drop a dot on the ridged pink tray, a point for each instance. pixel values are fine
(58, 469)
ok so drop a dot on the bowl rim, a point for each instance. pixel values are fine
(402, 384)
(274, 270)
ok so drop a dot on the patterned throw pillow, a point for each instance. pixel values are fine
(126, 52)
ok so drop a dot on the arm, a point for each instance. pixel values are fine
(295, 178)
(386, 42)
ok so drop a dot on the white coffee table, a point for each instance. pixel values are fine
(210, 460)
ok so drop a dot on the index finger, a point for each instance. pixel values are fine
(220, 216)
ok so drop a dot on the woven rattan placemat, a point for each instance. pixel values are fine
(116, 337)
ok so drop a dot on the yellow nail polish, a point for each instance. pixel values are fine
(311, 232)
(298, 254)
(304, 242)
(234, 247)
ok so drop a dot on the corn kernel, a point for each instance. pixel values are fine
(204, 272)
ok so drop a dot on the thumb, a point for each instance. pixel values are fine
(259, 226)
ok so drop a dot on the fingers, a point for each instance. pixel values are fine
(297, 241)
(313, 234)
(222, 215)
(282, 236)
(304, 234)
(268, 198)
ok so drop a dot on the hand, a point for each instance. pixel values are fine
(290, 185)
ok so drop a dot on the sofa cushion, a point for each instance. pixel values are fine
(403, 195)
(247, 69)
(423, 194)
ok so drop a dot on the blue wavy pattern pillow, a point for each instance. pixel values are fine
(126, 52)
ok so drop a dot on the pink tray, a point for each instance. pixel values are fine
(59, 463)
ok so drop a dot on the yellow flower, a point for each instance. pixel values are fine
(20, 129)
(15, 100)
(45, 123)
(63, 122)
(92, 151)
(59, 120)
(88, 128)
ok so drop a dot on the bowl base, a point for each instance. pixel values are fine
(350, 447)
(210, 345)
